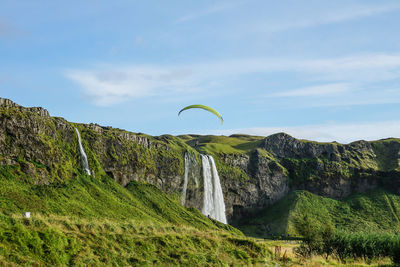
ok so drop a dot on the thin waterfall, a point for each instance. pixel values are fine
(186, 179)
(213, 204)
(192, 170)
(84, 160)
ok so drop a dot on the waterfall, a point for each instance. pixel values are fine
(213, 204)
(85, 163)
(192, 170)
(186, 179)
(208, 202)
(219, 203)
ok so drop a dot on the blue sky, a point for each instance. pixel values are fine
(320, 70)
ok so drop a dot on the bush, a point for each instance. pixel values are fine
(316, 239)
(396, 253)
(366, 246)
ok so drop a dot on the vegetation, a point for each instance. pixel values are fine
(87, 220)
(375, 211)
(151, 155)
(322, 240)
(386, 151)
(62, 240)
(215, 145)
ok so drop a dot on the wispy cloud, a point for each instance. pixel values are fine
(321, 17)
(358, 97)
(346, 75)
(108, 87)
(345, 66)
(356, 12)
(319, 90)
(342, 133)
(208, 11)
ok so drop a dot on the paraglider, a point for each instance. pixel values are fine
(213, 111)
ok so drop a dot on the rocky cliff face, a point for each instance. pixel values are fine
(266, 182)
(44, 149)
(336, 170)
(282, 163)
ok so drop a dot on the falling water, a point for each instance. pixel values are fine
(192, 171)
(219, 204)
(85, 163)
(213, 204)
(208, 203)
(185, 182)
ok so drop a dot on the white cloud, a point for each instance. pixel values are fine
(359, 97)
(107, 87)
(320, 17)
(319, 90)
(353, 12)
(329, 67)
(342, 133)
(113, 84)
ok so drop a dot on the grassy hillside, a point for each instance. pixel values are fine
(387, 153)
(214, 145)
(376, 210)
(90, 220)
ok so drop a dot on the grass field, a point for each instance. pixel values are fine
(87, 221)
(287, 257)
(214, 145)
(376, 211)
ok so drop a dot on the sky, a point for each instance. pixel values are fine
(316, 69)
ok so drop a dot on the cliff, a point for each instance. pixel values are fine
(255, 171)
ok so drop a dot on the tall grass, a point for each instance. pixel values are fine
(325, 241)
(367, 246)
(374, 211)
(86, 221)
(63, 240)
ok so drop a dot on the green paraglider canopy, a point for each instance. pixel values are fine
(213, 111)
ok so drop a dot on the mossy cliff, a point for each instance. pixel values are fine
(44, 149)
(336, 170)
(255, 171)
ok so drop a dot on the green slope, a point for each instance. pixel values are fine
(376, 210)
(214, 145)
(90, 220)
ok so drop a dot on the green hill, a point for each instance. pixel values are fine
(214, 145)
(375, 211)
(87, 220)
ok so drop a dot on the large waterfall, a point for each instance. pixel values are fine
(213, 204)
(85, 163)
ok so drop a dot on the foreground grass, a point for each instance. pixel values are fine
(87, 220)
(293, 260)
(62, 240)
